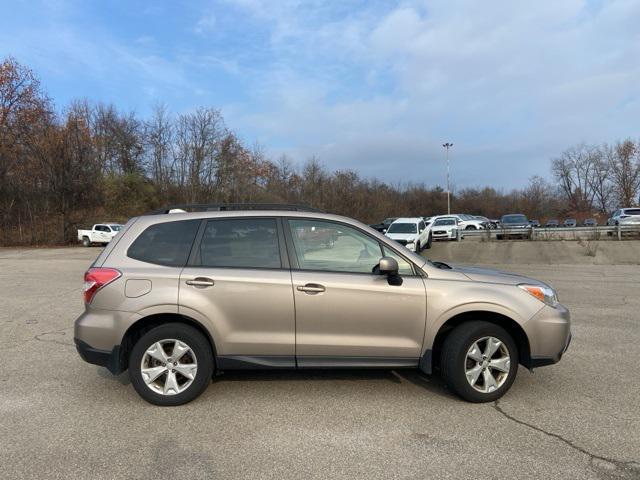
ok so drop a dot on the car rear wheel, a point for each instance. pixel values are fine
(171, 364)
(479, 361)
(86, 242)
(429, 242)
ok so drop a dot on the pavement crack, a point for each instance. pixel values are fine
(50, 337)
(607, 468)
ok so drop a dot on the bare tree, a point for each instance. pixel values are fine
(625, 172)
(159, 141)
(600, 178)
(573, 170)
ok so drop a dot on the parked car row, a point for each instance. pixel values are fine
(417, 233)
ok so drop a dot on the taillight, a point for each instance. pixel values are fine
(95, 279)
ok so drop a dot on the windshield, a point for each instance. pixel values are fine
(444, 221)
(403, 228)
(514, 219)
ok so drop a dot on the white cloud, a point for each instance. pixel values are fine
(510, 82)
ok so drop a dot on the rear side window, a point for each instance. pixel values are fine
(167, 243)
(240, 243)
(632, 211)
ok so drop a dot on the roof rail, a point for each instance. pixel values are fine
(221, 207)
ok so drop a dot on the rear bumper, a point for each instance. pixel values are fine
(103, 358)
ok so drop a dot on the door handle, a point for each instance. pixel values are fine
(310, 288)
(201, 282)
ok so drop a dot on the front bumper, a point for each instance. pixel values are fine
(104, 358)
(549, 333)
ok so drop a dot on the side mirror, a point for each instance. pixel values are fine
(388, 266)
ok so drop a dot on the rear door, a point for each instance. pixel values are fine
(345, 314)
(238, 279)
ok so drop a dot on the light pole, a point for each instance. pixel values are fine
(447, 146)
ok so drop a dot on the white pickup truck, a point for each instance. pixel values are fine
(100, 233)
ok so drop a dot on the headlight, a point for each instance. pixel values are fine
(542, 292)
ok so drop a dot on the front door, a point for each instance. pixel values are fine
(238, 283)
(345, 314)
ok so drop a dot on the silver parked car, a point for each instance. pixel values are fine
(177, 297)
(625, 216)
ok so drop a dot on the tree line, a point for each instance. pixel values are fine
(91, 162)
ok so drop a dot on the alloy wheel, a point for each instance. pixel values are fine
(169, 367)
(487, 364)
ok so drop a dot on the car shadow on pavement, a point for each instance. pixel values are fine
(122, 378)
(431, 383)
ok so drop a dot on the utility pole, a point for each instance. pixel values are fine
(447, 146)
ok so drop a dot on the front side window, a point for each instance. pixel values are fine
(632, 211)
(240, 243)
(167, 243)
(333, 247)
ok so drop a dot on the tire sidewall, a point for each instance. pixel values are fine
(195, 340)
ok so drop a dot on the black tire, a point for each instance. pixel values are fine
(498, 237)
(199, 346)
(418, 247)
(470, 227)
(453, 359)
(86, 242)
(429, 242)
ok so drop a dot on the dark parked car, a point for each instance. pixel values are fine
(384, 225)
(590, 222)
(570, 222)
(552, 224)
(517, 222)
(534, 223)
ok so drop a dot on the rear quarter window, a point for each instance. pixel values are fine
(167, 243)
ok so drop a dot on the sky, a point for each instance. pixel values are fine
(373, 86)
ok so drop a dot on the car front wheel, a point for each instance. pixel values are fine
(171, 364)
(479, 361)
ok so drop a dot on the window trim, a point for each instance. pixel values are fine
(194, 260)
(293, 259)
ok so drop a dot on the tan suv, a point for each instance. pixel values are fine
(177, 297)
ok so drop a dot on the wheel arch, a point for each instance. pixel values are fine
(141, 326)
(430, 361)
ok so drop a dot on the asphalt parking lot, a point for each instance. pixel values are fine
(63, 418)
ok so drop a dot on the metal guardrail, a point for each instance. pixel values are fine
(542, 233)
